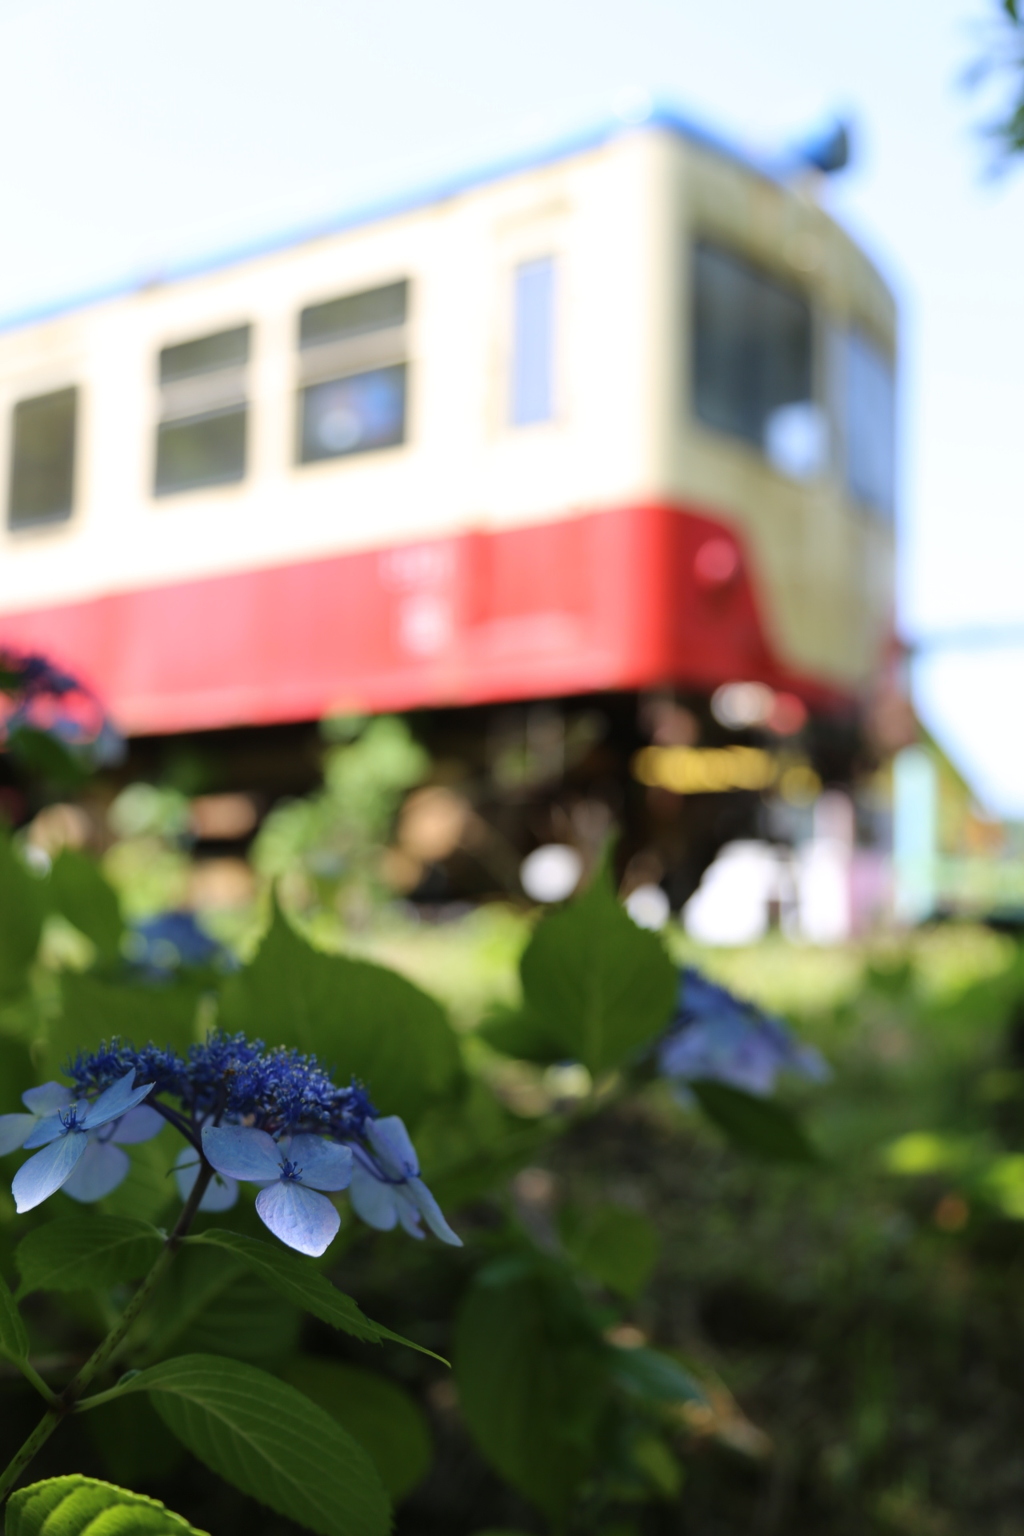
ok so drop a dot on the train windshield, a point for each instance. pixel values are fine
(752, 361)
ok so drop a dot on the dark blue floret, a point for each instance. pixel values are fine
(276, 1090)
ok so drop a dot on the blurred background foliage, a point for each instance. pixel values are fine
(651, 1329)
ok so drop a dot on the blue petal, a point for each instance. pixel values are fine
(372, 1200)
(51, 1126)
(14, 1131)
(431, 1213)
(408, 1215)
(298, 1216)
(242, 1152)
(39, 1178)
(100, 1169)
(47, 1098)
(115, 1101)
(139, 1124)
(221, 1193)
(390, 1141)
(324, 1164)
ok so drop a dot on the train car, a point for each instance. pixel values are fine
(613, 420)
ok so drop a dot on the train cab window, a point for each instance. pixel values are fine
(752, 361)
(42, 459)
(201, 436)
(532, 395)
(869, 423)
(352, 373)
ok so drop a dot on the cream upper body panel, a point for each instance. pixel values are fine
(461, 465)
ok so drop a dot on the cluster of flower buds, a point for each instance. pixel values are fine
(37, 696)
(720, 1038)
(266, 1117)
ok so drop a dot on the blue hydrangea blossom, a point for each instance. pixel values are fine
(386, 1186)
(40, 1103)
(35, 695)
(267, 1117)
(292, 1171)
(65, 1137)
(717, 1037)
(220, 1194)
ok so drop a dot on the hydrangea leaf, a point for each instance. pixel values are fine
(17, 1071)
(272, 1443)
(366, 1021)
(618, 1247)
(763, 1127)
(655, 1376)
(22, 906)
(77, 1253)
(13, 1338)
(595, 986)
(296, 1278)
(79, 892)
(386, 1420)
(76, 1505)
(93, 1011)
(533, 1381)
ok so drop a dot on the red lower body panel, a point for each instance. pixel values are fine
(630, 598)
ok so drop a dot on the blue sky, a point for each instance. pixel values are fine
(141, 134)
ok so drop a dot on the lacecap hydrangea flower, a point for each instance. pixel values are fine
(717, 1037)
(248, 1114)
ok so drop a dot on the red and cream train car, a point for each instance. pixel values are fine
(612, 419)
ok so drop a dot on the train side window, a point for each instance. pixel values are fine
(752, 361)
(42, 459)
(201, 436)
(532, 393)
(869, 423)
(353, 373)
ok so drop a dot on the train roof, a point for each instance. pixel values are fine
(644, 114)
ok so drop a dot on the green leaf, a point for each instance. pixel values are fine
(596, 986)
(16, 1074)
(78, 1253)
(22, 906)
(523, 1034)
(616, 1246)
(533, 1382)
(388, 1423)
(269, 1441)
(361, 1019)
(79, 892)
(94, 1010)
(248, 1320)
(761, 1126)
(45, 757)
(13, 1338)
(653, 1459)
(654, 1376)
(296, 1278)
(75, 1506)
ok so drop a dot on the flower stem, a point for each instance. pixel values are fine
(101, 1357)
(32, 1375)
